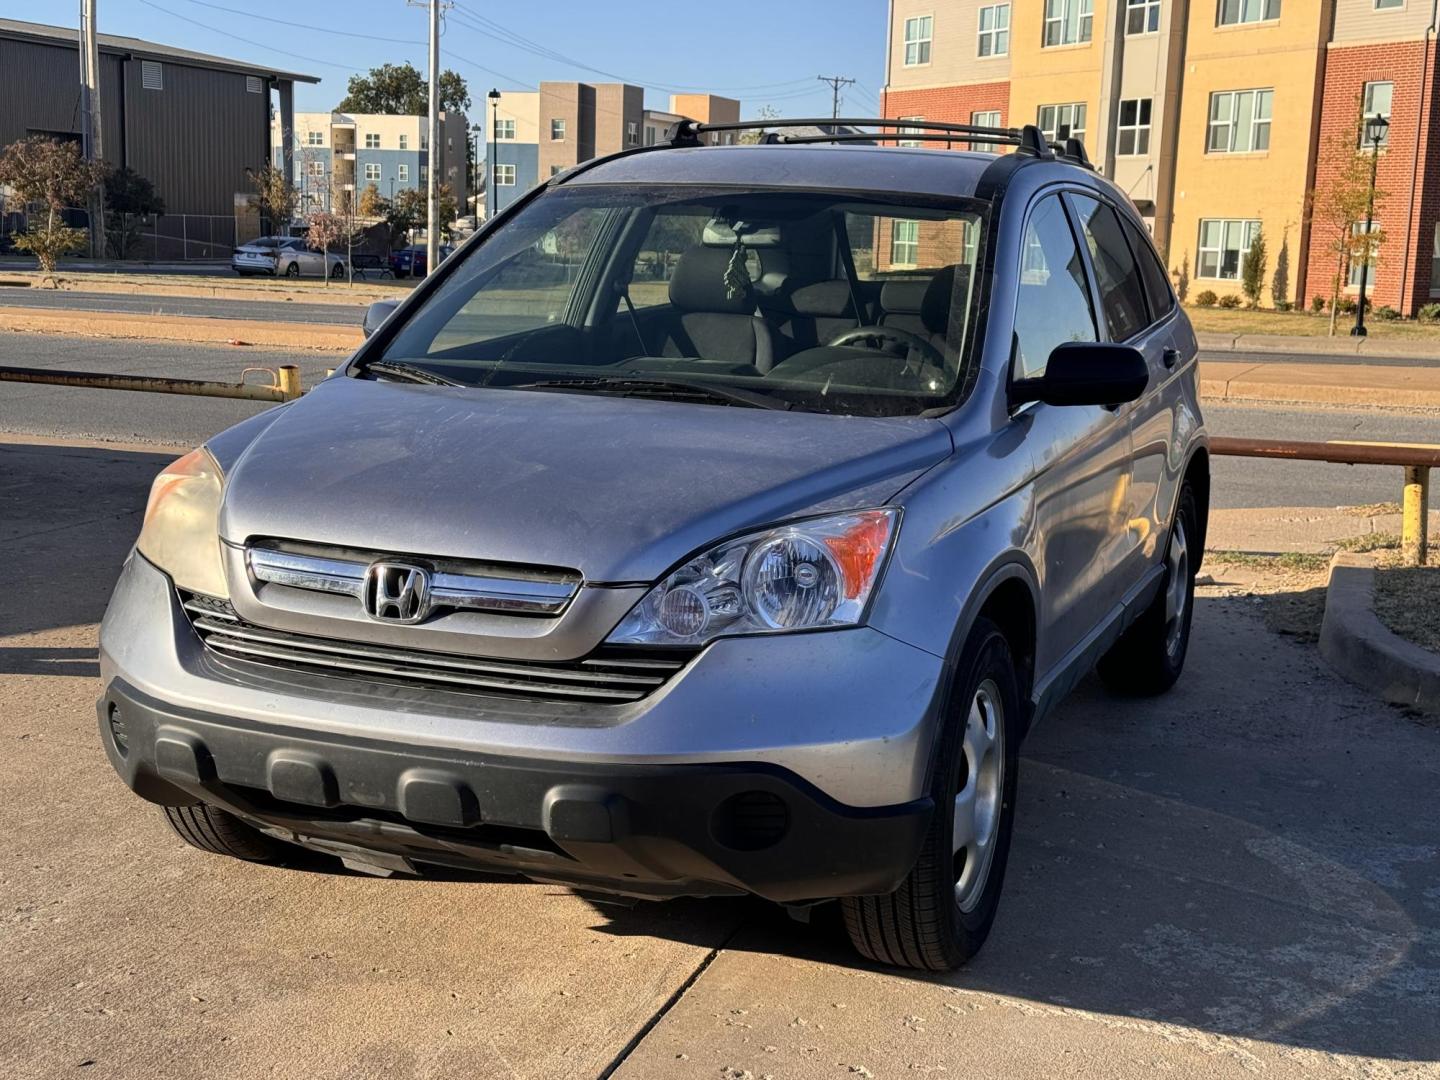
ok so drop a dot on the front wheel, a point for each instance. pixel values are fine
(942, 912)
(222, 833)
(293, 270)
(337, 271)
(1150, 655)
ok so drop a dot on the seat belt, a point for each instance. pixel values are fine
(852, 279)
(634, 322)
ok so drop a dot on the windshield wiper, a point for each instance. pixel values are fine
(619, 384)
(399, 369)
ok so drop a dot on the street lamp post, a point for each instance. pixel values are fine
(490, 192)
(1375, 129)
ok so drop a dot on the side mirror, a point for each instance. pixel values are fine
(377, 313)
(1086, 373)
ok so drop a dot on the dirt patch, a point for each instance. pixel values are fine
(1288, 589)
(1407, 600)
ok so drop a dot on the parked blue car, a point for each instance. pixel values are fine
(411, 260)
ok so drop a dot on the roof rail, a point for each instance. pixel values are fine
(1028, 139)
(1073, 151)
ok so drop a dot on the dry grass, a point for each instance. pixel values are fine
(1407, 600)
(1299, 324)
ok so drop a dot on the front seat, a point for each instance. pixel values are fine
(712, 319)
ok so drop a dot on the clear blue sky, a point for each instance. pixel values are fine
(764, 52)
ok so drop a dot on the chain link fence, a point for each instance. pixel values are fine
(148, 237)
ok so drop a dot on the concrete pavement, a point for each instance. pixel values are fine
(1240, 878)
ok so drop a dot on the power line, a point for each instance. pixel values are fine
(302, 26)
(247, 41)
(835, 82)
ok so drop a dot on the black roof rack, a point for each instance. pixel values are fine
(1028, 140)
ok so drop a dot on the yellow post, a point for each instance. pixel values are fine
(289, 381)
(1415, 515)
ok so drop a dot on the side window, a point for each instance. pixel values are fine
(1054, 300)
(1157, 285)
(1122, 296)
(672, 232)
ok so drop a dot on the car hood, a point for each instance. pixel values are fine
(617, 488)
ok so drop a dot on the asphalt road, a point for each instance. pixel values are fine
(182, 421)
(1240, 878)
(200, 307)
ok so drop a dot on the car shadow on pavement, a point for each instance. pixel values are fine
(68, 516)
(1253, 856)
(79, 663)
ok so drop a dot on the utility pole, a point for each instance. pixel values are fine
(90, 127)
(432, 207)
(836, 82)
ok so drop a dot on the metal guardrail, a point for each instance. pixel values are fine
(284, 384)
(1416, 459)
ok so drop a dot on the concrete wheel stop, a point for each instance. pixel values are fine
(1362, 649)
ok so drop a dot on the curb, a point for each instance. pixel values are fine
(1374, 348)
(360, 294)
(1364, 650)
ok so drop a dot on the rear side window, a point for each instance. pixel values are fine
(1122, 296)
(1054, 300)
(1157, 286)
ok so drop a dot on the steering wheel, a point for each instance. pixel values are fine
(913, 343)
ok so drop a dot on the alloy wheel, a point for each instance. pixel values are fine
(979, 794)
(1177, 588)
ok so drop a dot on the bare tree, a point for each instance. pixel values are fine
(43, 170)
(326, 230)
(275, 196)
(1338, 211)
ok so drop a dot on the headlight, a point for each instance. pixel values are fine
(181, 534)
(802, 576)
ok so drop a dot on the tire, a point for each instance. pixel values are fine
(937, 919)
(221, 833)
(1150, 656)
(338, 272)
(293, 270)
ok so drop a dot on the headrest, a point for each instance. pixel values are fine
(935, 307)
(698, 284)
(903, 295)
(823, 299)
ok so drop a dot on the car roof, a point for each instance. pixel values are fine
(864, 168)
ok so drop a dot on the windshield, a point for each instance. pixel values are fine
(826, 301)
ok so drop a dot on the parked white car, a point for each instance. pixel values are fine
(285, 256)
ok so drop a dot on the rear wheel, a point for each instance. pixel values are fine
(222, 833)
(293, 270)
(942, 912)
(1150, 656)
(337, 271)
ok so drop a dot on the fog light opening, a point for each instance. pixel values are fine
(118, 731)
(751, 821)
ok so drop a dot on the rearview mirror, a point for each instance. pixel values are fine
(376, 314)
(1086, 373)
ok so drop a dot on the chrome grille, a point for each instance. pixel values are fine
(603, 679)
(499, 589)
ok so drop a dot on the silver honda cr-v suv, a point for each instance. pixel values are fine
(717, 520)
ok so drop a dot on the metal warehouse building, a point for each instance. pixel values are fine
(192, 124)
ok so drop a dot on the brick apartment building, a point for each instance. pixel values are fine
(1216, 116)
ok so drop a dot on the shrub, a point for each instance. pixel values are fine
(1345, 305)
(1317, 304)
(1284, 305)
(1252, 270)
(1206, 298)
(1231, 301)
(1386, 313)
(1430, 313)
(1182, 278)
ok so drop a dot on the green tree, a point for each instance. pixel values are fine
(129, 198)
(1182, 277)
(371, 203)
(275, 196)
(400, 90)
(1280, 283)
(1252, 269)
(50, 172)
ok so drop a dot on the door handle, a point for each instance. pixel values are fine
(1171, 356)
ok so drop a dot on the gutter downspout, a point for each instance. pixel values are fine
(889, 58)
(1415, 161)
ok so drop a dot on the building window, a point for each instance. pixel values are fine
(1068, 22)
(651, 134)
(632, 133)
(901, 132)
(424, 174)
(314, 138)
(557, 129)
(1237, 12)
(424, 140)
(1373, 251)
(1435, 263)
(1133, 133)
(1239, 121)
(372, 142)
(919, 32)
(152, 75)
(504, 129)
(1142, 16)
(1378, 96)
(317, 168)
(904, 243)
(987, 118)
(1223, 243)
(1389, 5)
(995, 30)
(404, 142)
(504, 175)
(254, 84)
(372, 170)
(1062, 121)
(402, 173)
(556, 169)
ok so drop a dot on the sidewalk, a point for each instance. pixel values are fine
(1313, 530)
(1341, 345)
(216, 281)
(1371, 383)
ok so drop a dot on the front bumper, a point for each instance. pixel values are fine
(827, 734)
